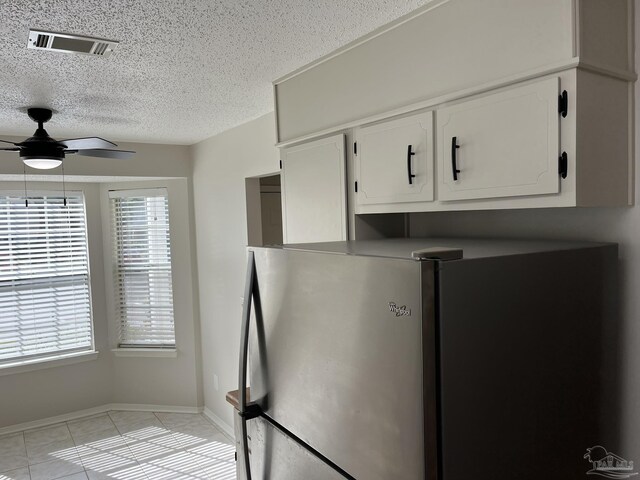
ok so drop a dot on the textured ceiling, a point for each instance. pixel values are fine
(184, 70)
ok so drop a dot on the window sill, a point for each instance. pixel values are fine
(47, 362)
(146, 352)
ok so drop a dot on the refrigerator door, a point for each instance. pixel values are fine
(336, 358)
(528, 364)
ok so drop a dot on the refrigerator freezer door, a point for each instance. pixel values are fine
(336, 358)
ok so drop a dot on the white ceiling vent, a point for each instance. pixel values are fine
(62, 42)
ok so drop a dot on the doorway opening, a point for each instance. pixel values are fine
(264, 210)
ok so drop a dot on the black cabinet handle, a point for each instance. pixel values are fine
(454, 159)
(409, 155)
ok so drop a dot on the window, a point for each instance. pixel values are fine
(142, 268)
(45, 301)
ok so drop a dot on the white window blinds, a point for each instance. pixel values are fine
(45, 306)
(142, 268)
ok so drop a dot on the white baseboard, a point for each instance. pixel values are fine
(137, 407)
(45, 422)
(221, 424)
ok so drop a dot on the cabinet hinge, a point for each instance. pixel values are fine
(280, 164)
(356, 187)
(563, 165)
(563, 104)
(355, 148)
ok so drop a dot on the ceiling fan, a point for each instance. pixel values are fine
(43, 152)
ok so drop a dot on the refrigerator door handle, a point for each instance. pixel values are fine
(244, 350)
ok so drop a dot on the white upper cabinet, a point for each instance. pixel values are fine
(314, 191)
(488, 75)
(394, 161)
(501, 145)
(448, 47)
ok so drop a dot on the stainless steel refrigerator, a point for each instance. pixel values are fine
(427, 359)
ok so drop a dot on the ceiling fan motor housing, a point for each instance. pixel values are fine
(41, 145)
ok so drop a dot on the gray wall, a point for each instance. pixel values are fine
(152, 380)
(55, 391)
(220, 166)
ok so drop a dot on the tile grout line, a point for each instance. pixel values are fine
(182, 447)
(213, 424)
(27, 456)
(75, 446)
(126, 444)
(202, 469)
(119, 434)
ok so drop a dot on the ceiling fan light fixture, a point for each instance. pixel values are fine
(42, 152)
(42, 163)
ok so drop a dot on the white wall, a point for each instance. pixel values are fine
(59, 390)
(220, 165)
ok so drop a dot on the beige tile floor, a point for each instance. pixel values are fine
(121, 445)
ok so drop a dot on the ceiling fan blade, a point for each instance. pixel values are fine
(87, 143)
(104, 153)
(7, 141)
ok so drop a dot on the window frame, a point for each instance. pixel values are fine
(28, 363)
(136, 350)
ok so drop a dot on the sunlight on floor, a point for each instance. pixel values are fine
(185, 447)
(161, 454)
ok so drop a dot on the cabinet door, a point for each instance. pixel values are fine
(507, 144)
(394, 161)
(314, 191)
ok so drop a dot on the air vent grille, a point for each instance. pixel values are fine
(42, 41)
(66, 43)
(100, 48)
